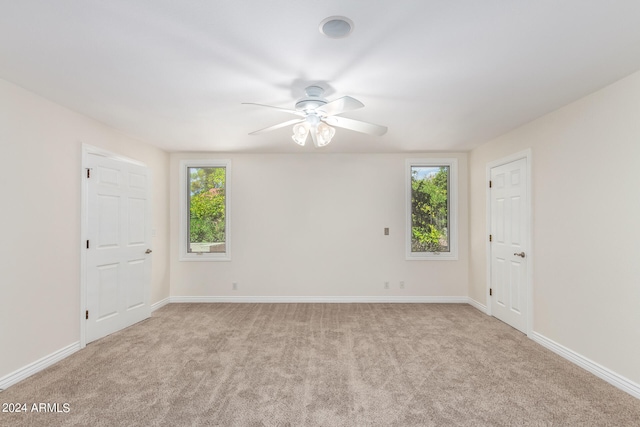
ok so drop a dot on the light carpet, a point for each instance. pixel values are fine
(319, 365)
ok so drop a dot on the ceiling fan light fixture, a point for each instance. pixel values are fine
(300, 133)
(324, 134)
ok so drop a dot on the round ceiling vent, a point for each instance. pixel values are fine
(336, 27)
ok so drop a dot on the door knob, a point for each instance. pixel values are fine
(521, 254)
(148, 251)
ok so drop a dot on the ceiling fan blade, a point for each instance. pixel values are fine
(286, 110)
(278, 126)
(341, 105)
(356, 125)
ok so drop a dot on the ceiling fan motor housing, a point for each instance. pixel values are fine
(313, 99)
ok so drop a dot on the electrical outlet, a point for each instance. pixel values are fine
(386, 231)
(402, 284)
(386, 285)
(234, 286)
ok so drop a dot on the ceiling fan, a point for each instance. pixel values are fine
(319, 115)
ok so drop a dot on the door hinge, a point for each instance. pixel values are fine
(88, 172)
(490, 239)
(86, 315)
(490, 294)
(490, 184)
(87, 244)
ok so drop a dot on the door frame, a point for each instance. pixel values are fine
(525, 154)
(84, 222)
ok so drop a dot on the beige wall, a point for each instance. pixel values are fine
(40, 175)
(312, 226)
(586, 216)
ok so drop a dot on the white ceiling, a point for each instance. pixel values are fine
(442, 75)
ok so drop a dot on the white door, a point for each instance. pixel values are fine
(509, 235)
(118, 258)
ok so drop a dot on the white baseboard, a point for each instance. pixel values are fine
(319, 299)
(160, 304)
(38, 365)
(477, 305)
(596, 369)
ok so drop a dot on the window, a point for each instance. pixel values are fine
(432, 209)
(205, 190)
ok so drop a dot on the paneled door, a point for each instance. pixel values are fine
(118, 254)
(509, 245)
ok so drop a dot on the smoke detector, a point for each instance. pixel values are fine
(336, 27)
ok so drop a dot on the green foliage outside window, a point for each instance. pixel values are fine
(207, 204)
(429, 209)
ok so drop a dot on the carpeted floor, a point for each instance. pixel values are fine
(319, 364)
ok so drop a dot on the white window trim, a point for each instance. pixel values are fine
(184, 211)
(452, 255)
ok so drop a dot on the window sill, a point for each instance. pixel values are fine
(205, 258)
(431, 256)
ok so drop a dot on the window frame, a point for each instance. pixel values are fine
(185, 255)
(452, 163)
